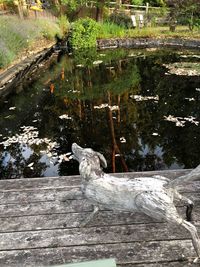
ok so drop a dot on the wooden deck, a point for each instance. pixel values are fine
(37, 229)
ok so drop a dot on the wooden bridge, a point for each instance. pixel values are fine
(37, 229)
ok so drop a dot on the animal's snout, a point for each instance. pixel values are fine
(76, 148)
(77, 151)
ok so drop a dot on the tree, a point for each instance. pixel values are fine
(99, 10)
(189, 9)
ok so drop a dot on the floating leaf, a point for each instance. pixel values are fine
(154, 134)
(31, 164)
(12, 108)
(65, 116)
(122, 139)
(144, 98)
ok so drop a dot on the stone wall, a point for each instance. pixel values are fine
(146, 43)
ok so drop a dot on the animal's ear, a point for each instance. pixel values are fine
(103, 161)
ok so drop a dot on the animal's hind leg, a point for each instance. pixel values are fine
(195, 238)
(189, 205)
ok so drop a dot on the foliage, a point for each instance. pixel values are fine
(72, 4)
(64, 24)
(84, 33)
(121, 19)
(189, 9)
(137, 2)
(17, 35)
(106, 13)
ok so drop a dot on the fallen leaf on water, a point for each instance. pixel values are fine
(30, 164)
(122, 139)
(65, 116)
(190, 99)
(154, 134)
(144, 98)
(12, 108)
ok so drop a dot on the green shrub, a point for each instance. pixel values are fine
(84, 33)
(121, 19)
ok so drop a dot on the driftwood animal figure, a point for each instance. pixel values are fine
(152, 196)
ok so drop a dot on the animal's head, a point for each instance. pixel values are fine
(89, 160)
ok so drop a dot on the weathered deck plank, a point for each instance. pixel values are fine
(133, 252)
(72, 220)
(53, 207)
(38, 229)
(91, 236)
(65, 181)
(54, 194)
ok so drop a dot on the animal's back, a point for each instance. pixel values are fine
(121, 193)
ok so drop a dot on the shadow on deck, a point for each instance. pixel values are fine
(37, 229)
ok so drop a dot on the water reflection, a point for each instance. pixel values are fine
(122, 103)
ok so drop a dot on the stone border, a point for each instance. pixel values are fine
(146, 43)
(14, 75)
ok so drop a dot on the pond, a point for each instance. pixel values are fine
(140, 108)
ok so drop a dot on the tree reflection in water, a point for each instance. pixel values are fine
(86, 98)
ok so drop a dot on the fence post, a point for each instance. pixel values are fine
(147, 8)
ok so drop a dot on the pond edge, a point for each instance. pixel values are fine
(13, 76)
(147, 43)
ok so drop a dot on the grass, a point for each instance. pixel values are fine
(18, 35)
(109, 30)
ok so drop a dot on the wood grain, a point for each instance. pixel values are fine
(39, 229)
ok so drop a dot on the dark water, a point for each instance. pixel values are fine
(117, 102)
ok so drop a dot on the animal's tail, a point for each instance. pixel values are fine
(191, 176)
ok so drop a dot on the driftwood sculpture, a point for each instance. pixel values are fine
(152, 196)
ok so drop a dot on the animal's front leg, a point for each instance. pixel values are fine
(90, 217)
(70, 196)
